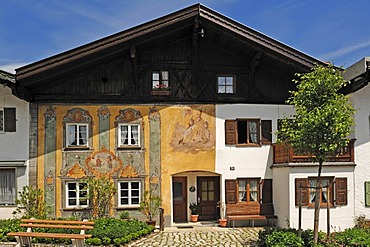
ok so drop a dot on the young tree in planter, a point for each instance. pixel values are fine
(323, 120)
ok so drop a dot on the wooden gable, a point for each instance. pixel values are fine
(195, 45)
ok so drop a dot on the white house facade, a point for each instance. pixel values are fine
(14, 132)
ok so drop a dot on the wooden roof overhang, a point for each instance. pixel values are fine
(42, 72)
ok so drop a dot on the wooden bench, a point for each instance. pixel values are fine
(251, 212)
(78, 240)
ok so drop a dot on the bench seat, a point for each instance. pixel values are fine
(252, 218)
(49, 235)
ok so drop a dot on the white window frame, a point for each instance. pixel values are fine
(129, 197)
(161, 82)
(78, 125)
(78, 198)
(12, 193)
(129, 133)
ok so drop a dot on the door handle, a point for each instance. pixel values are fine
(198, 199)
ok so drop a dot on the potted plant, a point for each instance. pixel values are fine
(149, 206)
(223, 221)
(194, 212)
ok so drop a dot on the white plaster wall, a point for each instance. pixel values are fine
(361, 102)
(246, 161)
(14, 145)
(341, 217)
(281, 196)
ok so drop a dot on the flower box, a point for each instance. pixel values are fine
(160, 92)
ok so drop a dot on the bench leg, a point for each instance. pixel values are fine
(23, 241)
(78, 242)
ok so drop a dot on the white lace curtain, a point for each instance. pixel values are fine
(7, 186)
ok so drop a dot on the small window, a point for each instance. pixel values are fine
(7, 120)
(77, 135)
(248, 190)
(225, 84)
(326, 184)
(76, 195)
(129, 135)
(7, 186)
(129, 193)
(160, 80)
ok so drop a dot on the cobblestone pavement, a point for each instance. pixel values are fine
(201, 236)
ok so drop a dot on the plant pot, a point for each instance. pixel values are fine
(194, 218)
(222, 222)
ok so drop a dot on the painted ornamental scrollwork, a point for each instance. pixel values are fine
(78, 115)
(127, 115)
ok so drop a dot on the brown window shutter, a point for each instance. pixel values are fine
(230, 189)
(9, 120)
(230, 132)
(341, 191)
(266, 129)
(304, 191)
(267, 191)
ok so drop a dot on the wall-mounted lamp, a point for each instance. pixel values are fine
(201, 33)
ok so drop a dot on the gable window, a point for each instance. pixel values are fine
(7, 186)
(7, 120)
(129, 193)
(77, 134)
(225, 84)
(248, 132)
(129, 134)
(160, 80)
(76, 194)
(306, 187)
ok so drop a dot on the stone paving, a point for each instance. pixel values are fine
(201, 236)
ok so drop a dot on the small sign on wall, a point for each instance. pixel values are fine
(232, 168)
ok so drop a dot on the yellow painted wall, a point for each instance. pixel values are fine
(175, 158)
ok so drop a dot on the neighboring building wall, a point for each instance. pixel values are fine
(14, 145)
(282, 196)
(341, 217)
(361, 103)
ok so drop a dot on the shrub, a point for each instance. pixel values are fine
(283, 238)
(31, 203)
(124, 215)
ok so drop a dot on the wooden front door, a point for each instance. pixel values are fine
(179, 199)
(208, 196)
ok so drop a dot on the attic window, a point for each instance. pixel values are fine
(160, 80)
(225, 84)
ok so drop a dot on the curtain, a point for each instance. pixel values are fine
(124, 134)
(72, 138)
(82, 135)
(7, 186)
(312, 190)
(135, 135)
(242, 186)
(253, 188)
(253, 132)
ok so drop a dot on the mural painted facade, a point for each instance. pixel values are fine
(148, 144)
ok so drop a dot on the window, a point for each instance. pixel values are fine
(225, 84)
(129, 135)
(76, 194)
(7, 186)
(7, 120)
(248, 132)
(250, 190)
(306, 187)
(77, 135)
(129, 193)
(160, 80)
(367, 193)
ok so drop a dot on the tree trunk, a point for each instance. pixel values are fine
(317, 205)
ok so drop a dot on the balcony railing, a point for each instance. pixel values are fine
(284, 153)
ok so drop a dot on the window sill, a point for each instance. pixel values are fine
(128, 207)
(128, 147)
(160, 93)
(76, 148)
(76, 208)
(247, 145)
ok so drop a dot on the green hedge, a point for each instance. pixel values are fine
(106, 231)
(276, 237)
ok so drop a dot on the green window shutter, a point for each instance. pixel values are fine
(367, 193)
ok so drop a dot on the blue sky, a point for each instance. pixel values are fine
(330, 30)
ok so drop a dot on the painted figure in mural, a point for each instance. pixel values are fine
(110, 162)
(98, 161)
(197, 131)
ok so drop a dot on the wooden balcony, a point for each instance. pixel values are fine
(285, 154)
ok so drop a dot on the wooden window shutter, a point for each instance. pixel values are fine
(341, 191)
(304, 191)
(9, 120)
(367, 193)
(230, 189)
(267, 191)
(230, 132)
(266, 129)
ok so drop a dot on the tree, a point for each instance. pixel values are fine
(322, 122)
